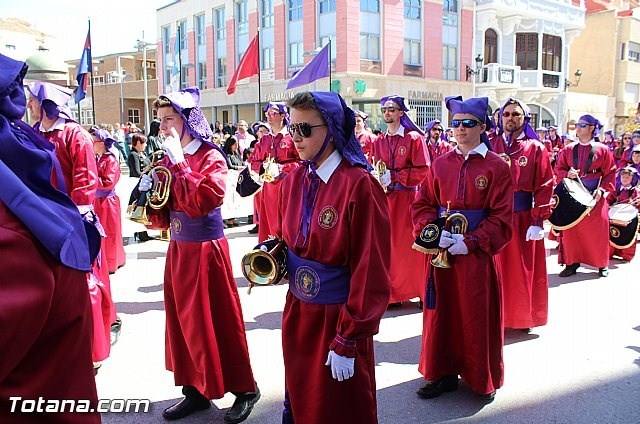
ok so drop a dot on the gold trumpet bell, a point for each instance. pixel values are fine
(138, 214)
(456, 223)
(266, 264)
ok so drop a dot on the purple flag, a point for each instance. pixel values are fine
(84, 70)
(316, 69)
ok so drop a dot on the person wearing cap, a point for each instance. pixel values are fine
(523, 262)
(542, 133)
(206, 345)
(404, 152)
(45, 314)
(591, 162)
(436, 145)
(243, 136)
(334, 219)
(463, 332)
(364, 136)
(554, 142)
(622, 153)
(635, 158)
(260, 129)
(107, 203)
(627, 191)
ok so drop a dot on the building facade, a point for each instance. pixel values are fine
(414, 48)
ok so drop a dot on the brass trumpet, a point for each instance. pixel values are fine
(455, 223)
(157, 196)
(266, 263)
(267, 176)
(381, 168)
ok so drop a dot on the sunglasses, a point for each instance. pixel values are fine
(303, 129)
(437, 129)
(389, 109)
(514, 114)
(272, 113)
(583, 125)
(626, 138)
(635, 136)
(467, 123)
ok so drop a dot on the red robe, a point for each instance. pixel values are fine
(355, 204)
(255, 159)
(588, 241)
(522, 264)
(206, 344)
(439, 149)
(406, 157)
(281, 148)
(463, 335)
(109, 212)
(624, 195)
(45, 319)
(366, 139)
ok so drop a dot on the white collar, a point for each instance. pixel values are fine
(58, 125)
(192, 147)
(480, 150)
(328, 167)
(283, 131)
(400, 131)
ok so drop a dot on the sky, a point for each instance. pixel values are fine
(115, 24)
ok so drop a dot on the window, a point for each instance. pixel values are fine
(631, 92)
(295, 54)
(370, 6)
(551, 53)
(267, 13)
(412, 52)
(634, 52)
(450, 6)
(221, 24)
(490, 46)
(370, 47)
(450, 39)
(87, 117)
(184, 80)
(268, 58)
(449, 62)
(13, 47)
(295, 10)
(327, 6)
(202, 75)
(243, 17)
(183, 35)
(412, 9)
(134, 116)
(527, 51)
(426, 110)
(114, 77)
(221, 72)
(98, 80)
(200, 32)
(167, 76)
(166, 40)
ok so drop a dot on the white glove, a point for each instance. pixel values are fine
(385, 179)
(342, 368)
(374, 174)
(446, 240)
(173, 147)
(459, 248)
(535, 233)
(88, 215)
(146, 182)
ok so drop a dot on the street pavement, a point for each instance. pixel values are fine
(582, 367)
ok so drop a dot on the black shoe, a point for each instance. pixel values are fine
(142, 236)
(394, 305)
(254, 230)
(569, 270)
(526, 330)
(488, 397)
(191, 403)
(603, 272)
(242, 407)
(116, 327)
(435, 388)
(250, 219)
(420, 305)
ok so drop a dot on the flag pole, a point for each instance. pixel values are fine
(259, 78)
(329, 63)
(93, 97)
(179, 59)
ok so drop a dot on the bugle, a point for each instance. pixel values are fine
(265, 265)
(157, 196)
(455, 223)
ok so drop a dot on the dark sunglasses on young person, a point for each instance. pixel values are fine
(583, 125)
(388, 109)
(303, 129)
(467, 123)
(508, 114)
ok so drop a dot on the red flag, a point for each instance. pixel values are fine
(248, 66)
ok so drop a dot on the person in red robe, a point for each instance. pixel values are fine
(364, 136)
(338, 268)
(107, 203)
(255, 161)
(592, 162)
(45, 314)
(403, 150)
(522, 262)
(463, 333)
(627, 191)
(435, 143)
(206, 345)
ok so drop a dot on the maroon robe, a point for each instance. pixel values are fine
(463, 335)
(366, 139)
(346, 209)
(406, 157)
(588, 241)
(522, 264)
(206, 344)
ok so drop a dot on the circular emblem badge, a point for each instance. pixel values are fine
(328, 217)
(481, 182)
(430, 233)
(176, 225)
(615, 233)
(283, 145)
(402, 150)
(240, 179)
(307, 282)
(555, 200)
(522, 161)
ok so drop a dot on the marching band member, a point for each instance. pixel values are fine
(463, 335)
(627, 191)
(338, 267)
(255, 161)
(436, 145)
(206, 345)
(404, 152)
(364, 136)
(592, 162)
(522, 262)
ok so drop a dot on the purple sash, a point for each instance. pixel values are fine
(101, 193)
(400, 187)
(474, 216)
(590, 183)
(522, 201)
(314, 282)
(203, 228)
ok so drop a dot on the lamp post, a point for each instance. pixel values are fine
(121, 77)
(578, 75)
(140, 44)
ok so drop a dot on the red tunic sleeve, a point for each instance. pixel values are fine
(413, 172)
(108, 172)
(84, 172)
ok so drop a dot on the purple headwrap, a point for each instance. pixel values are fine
(105, 137)
(430, 125)
(282, 108)
(26, 164)
(528, 130)
(53, 99)
(186, 103)
(635, 177)
(404, 120)
(589, 119)
(259, 124)
(476, 106)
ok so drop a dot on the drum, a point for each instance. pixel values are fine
(571, 202)
(623, 225)
(246, 184)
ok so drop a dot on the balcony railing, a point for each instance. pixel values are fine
(496, 74)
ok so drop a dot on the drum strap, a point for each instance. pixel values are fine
(576, 165)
